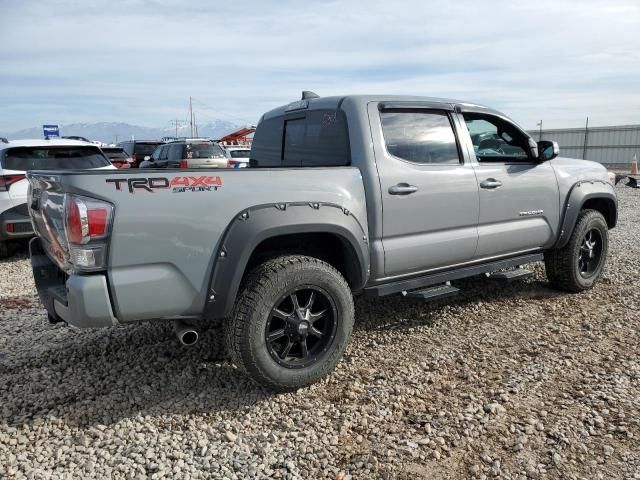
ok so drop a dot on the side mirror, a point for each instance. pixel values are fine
(548, 150)
(147, 158)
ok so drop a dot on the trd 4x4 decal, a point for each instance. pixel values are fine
(178, 184)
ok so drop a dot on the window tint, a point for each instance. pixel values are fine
(310, 139)
(420, 136)
(239, 153)
(144, 149)
(175, 151)
(495, 140)
(163, 152)
(53, 158)
(115, 153)
(128, 147)
(266, 149)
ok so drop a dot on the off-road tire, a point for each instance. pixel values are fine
(259, 293)
(562, 264)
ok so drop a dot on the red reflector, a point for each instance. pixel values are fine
(74, 223)
(8, 180)
(11, 227)
(97, 221)
(183, 164)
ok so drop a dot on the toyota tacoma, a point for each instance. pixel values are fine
(373, 195)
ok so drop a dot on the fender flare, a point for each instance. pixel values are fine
(578, 195)
(253, 225)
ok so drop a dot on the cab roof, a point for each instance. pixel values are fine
(334, 102)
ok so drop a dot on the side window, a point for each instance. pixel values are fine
(425, 137)
(156, 153)
(293, 142)
(496, 140)
(175, 151)
(163, 152)
(313, 138)
(266, 149)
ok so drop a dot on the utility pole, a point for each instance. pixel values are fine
(540, 134)
(190, 117)
(116, 139)
(586, 135)
(195, 124)
(177, 124)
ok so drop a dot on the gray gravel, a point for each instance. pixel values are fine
(513, 381)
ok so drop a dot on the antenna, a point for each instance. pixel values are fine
(307, 94)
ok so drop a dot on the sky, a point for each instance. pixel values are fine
(139, 61)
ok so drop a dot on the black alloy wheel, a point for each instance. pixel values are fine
(301, 326)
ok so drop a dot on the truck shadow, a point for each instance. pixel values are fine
(100, 377)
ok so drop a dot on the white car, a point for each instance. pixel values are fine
(18, 156)
(237, 157)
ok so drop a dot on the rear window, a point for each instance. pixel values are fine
(115, 154)
(143, 149)
(204, 150)
(315, 138)
(239, 153)
(53, 158)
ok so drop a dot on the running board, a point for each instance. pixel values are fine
(433, 293)
(510, 275)
(448, 275)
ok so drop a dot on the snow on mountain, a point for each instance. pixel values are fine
(108, 132)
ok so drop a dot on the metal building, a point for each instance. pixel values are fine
(614, 146)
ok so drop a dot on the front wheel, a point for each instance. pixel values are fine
(291, 323)
(578, 265)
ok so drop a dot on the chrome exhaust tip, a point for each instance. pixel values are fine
(187, 335)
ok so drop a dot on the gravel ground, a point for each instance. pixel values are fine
(505, 381)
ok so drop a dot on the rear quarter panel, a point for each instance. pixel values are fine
(163, 243)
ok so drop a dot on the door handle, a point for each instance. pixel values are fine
(402, 189)
(490, 183)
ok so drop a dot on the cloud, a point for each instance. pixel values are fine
(138, 62)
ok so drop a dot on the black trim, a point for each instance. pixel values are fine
(448, 275)
(415, 105)
(254, 225)
(579, 193)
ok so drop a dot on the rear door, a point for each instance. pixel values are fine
(429, 194)
(519, 198)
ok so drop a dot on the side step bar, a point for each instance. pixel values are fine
(510, 275)
(433, 293)
(448, 275)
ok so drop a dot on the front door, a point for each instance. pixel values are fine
(519, 198)
(429, 196)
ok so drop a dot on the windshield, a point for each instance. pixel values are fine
(53, 158)
(144, 149)
(239, 153)
(204, 150)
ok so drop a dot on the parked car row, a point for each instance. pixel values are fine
(179, 153)
(19, 156)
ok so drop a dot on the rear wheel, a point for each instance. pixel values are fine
(291, 323)
(579, 264)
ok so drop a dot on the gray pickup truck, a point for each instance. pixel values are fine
(376, 195)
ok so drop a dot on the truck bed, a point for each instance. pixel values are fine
(168, 224)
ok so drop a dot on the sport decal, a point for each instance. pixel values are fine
(177, 184)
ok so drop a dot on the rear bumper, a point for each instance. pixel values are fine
(14, 224)
(80, 300)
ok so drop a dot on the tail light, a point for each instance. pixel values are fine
(230, 164)
(7, 180)
(183, 164)
(87, 228)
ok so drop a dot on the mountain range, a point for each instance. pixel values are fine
(110, 132)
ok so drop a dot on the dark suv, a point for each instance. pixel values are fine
(138, 149)
(189, 153)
